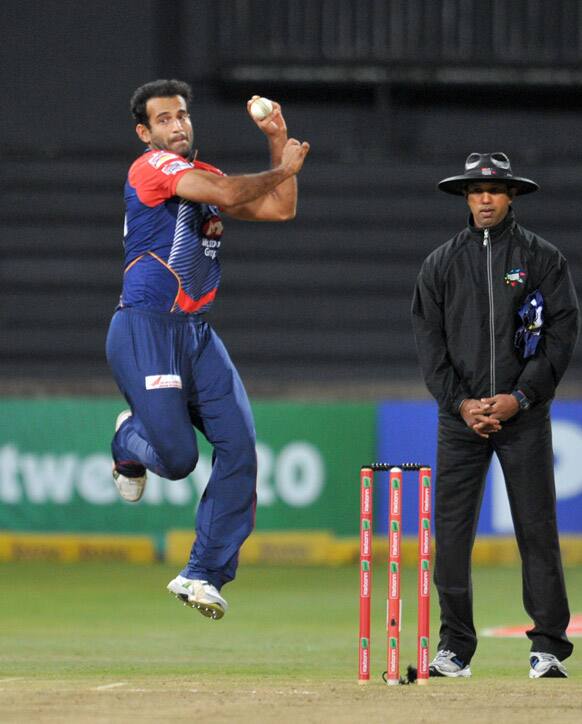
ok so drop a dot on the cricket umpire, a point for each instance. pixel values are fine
(495, 318)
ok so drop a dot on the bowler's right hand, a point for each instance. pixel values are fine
(272, 125)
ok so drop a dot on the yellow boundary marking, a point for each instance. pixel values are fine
(73, 548)
(309, 547)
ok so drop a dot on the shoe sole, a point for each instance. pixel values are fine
(119, 420)
(462, 674)
(552, 673)
(209, 610)
(130, 498)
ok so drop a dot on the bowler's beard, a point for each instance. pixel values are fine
(161, 145)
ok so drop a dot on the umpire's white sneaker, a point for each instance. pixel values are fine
(546, 666)
(130, 489)
(447, 663)
(199, 594)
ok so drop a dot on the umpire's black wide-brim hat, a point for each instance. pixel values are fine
(487, 167)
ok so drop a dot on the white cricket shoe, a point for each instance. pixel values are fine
(546, 666)
(200, 595)
(447, 663)
(130, 489)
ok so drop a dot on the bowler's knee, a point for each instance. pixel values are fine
(179, 463)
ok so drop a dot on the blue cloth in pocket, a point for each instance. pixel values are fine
(529, 333)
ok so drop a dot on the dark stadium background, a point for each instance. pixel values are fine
(392, 96)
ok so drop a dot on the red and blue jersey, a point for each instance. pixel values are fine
(171, 244)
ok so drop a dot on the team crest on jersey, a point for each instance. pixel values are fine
(212, 227)
(515, 277)
(159, 158)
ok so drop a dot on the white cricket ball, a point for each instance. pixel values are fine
(261, 108)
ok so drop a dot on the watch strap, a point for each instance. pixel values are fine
(522, 399)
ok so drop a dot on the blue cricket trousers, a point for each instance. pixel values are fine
(175, 373)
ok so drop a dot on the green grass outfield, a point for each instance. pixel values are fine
(105, 642)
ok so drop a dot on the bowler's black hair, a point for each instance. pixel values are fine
(157, 89)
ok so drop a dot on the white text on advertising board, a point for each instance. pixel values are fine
(295, 476)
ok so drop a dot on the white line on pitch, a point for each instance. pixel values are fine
(110, 686)
(12, 678)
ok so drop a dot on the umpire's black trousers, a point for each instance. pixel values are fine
(524, 449)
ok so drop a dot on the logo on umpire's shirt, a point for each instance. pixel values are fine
(515, 277)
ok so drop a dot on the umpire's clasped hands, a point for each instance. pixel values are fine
(484, 416)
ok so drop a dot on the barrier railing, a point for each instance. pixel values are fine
(308, 39)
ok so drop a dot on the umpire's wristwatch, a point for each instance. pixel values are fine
(522, 400)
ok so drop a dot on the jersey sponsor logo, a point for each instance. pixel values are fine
(159, 158)
(212, 230)
(211, 247)
(161, 382)
(172, 168)
(515, 277)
